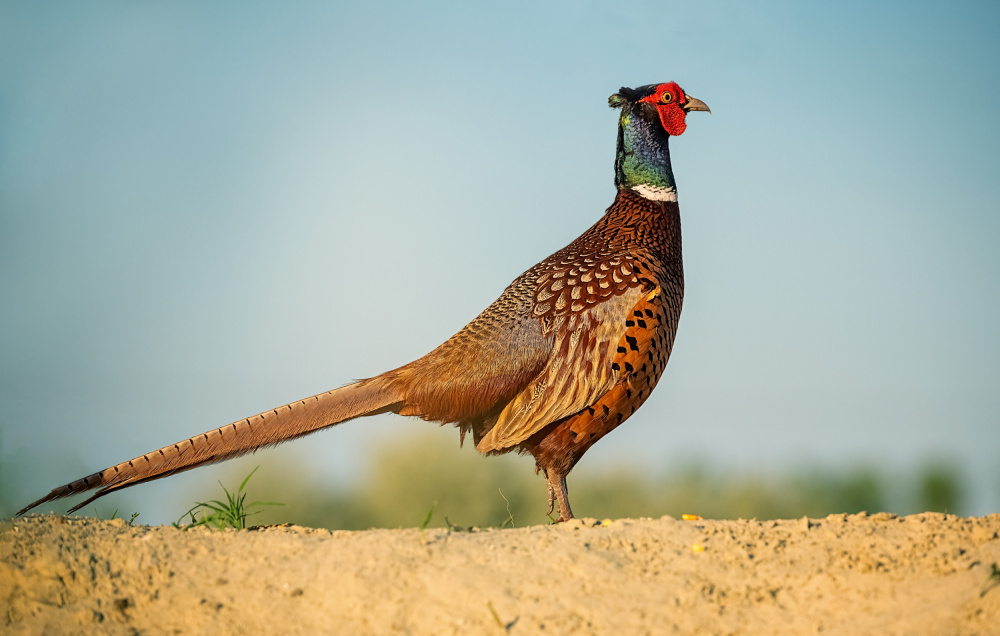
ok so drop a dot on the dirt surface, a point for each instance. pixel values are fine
(844, 574)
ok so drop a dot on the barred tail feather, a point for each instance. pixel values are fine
(296, 419)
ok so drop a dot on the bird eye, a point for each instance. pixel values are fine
(666, 98)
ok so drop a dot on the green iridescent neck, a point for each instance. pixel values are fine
(642, 161)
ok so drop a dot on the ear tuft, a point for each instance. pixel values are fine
(624, 96)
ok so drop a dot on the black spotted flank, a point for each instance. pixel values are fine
(629, 323)
(633, 343)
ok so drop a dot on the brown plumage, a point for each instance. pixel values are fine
(567, 353)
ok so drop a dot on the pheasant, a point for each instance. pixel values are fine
(567, 352)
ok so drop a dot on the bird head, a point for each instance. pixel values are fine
(668, 102)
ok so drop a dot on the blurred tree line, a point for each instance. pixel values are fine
(408, 476)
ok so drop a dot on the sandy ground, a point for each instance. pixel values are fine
(857, 574)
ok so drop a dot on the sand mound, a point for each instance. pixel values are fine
(857, 574)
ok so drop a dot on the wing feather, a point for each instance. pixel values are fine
(580, 370)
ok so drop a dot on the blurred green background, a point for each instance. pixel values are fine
(402, 480)
(406, 477)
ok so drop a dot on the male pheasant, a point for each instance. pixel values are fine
(567, 353)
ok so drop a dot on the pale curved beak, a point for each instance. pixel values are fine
(695, 104)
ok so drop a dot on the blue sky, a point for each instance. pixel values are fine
(210, 210)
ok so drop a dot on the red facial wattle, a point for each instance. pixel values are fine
(668, 99)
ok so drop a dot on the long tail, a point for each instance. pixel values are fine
(367, 397)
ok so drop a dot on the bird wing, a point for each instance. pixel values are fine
(580, 371)
(640, 358)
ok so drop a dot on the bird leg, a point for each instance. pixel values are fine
(558, 493)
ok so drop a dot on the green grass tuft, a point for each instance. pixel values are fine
(231, 513)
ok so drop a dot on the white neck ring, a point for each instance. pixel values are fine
(655, 193)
